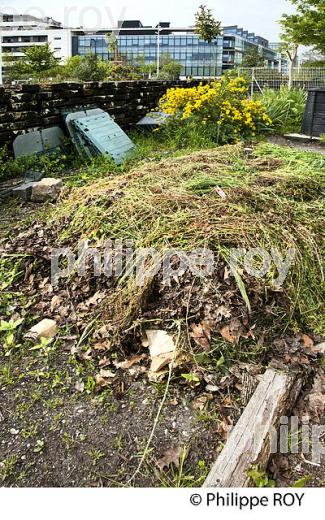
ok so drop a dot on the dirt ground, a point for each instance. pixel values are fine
(51, 436)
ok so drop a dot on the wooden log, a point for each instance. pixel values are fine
(251, 440)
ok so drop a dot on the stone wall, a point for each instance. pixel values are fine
(28, 107)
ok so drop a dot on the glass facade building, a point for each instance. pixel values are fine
(197, 57)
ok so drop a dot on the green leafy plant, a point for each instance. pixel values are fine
(260, 478)
(8, 328)
(95, 456)
(88, 68)
(302, 482)
(285, 108)
(52, 164)
(307, 24)
(192, 379)
(7, 467)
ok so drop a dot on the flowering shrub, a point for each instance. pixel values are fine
(222, 105)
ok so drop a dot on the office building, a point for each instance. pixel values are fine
(138, 42)
(21, 31)
(198, 57)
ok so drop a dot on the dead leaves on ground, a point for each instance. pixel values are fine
(162, 348)
(129, 363)
(202, 335)
(171, 456)
(231, 332)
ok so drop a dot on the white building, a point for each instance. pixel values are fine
(17, 32)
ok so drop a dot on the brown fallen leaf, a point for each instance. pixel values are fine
(223, 429)
(200, 402)
(159, 342)
(104, 362)
(201, 335)
(86, 356)
(161, 361)
(225, 333)
(96, 298)
(130, 362)
(233, 331)
(102, 346)
(55, 302)
(171, 456)
(101, 382)
(307, 341)
(316, 407)
(102, 332)
(43, 283)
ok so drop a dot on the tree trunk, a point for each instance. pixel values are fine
(116, 54)
(292, 55)
(290, 82)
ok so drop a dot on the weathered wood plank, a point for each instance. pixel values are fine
(250, 441)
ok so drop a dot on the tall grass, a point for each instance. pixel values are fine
(285, 108)
(273, 201)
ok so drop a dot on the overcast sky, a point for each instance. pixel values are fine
(260, 16)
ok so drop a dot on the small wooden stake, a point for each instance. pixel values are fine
(250, 441)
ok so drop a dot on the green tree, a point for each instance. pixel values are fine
(85, 68)
(121, 72)
(146, 69)
(253, 58)
(307, 25)
(70, 67)
(38, 60)
(207, 27)
(93, 68)
(170, 69)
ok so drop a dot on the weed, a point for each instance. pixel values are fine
(95, 456)
(302, 482)
(285, 108)
(260, 478)
(68, 441)
(179, 477)
(90, 385)
(39, 446)
(31, 431)
(7, 467)
(7, 331)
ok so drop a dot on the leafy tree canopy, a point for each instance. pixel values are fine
(253, 58)
(206, 27)
(39, 58)
(37, 61)
(307, 25)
